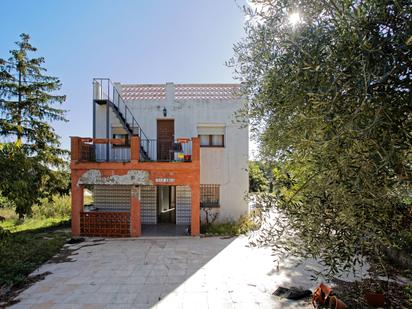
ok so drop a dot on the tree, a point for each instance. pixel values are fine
(31, 153)
(257, 179)
(332, 91)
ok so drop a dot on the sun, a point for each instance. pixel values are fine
(294, 18)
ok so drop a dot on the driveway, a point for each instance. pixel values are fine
(164, 273)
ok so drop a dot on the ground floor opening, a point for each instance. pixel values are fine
(163, 211)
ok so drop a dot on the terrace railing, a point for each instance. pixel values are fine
(179, 150)
(95, 150)
(105, 92)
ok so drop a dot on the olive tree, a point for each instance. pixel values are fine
(329, 84)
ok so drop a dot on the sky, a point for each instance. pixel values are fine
(128, 41)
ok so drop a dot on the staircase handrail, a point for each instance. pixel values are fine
(113, 94)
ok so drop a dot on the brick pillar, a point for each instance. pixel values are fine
(195, 187)
(77, 204)
(75, 148)
(195, 149)
(195, 226)
(135, 149)
(135, 222)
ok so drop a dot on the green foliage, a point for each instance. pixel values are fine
(33, 165)
(27, 243)
(22, 252)
(257, 180)
(244, 225)
(332, 96)
(5, 202)
(408, 291)
(45, 214)
(58, 207)
(4, 234)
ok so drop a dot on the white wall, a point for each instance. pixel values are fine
(225, 166)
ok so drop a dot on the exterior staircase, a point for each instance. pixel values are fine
(105, 92)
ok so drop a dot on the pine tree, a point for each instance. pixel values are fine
(31, 148)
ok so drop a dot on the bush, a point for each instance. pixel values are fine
(46, 214)
(243, 225)
(58, 207)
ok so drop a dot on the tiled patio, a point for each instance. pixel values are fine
(164, 273)
(164, 229)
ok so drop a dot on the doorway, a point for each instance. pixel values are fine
(165, 138)
(166, 204)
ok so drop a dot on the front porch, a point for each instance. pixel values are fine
(126, 194)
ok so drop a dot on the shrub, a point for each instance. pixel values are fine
(243, 225)
(58, 207)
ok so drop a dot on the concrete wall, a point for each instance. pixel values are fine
(225, 166)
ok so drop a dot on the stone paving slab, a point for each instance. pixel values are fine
(166, 273)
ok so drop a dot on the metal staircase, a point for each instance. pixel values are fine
(105, 92)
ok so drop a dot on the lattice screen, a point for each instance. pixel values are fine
(112, 198)
(183, 205)
(148, 204)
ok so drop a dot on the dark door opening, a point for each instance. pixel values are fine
(165, 138)
(166, 204)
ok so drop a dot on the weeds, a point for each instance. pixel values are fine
(244, 225)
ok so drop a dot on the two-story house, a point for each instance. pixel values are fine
(159, 154)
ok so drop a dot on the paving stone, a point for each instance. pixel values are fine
(174, 273)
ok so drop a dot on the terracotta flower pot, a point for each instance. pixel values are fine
(325, 289)
(321, 294)
(336, 303)
(375, 299)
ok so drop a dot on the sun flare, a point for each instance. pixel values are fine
(294, 18)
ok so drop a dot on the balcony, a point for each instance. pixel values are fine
(101, 150)
(179, 150)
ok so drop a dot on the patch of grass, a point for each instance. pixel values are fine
(31, 224)
(26, 244)
(44, 215)
(22, 252)
(244, 225)
(8, 213)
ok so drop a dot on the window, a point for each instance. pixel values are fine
(124, 137)
(217, 140)
(211, 140)
(204, 140)
(211, 135)
(210, 195)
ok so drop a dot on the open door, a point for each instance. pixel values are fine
(166, 204)
(165, 138)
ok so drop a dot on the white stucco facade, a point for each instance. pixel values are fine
(225, 166)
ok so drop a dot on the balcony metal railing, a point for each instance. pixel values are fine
(105, 91)
(179, 150)
(151, 150)
(95, 150)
